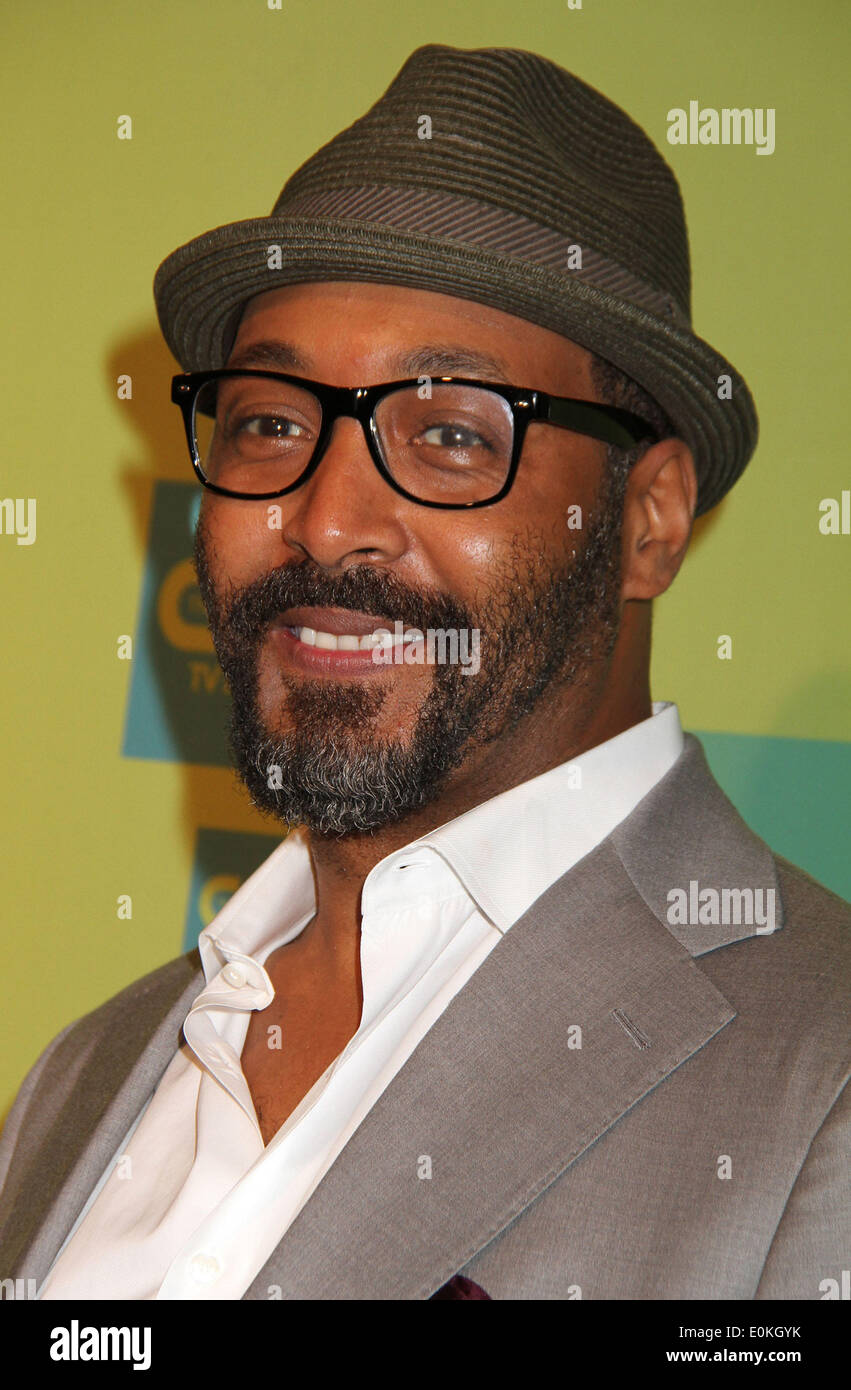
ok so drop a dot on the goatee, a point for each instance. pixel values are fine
(333, 772)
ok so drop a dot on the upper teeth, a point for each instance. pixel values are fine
(345, 641)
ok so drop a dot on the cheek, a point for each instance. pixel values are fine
(474, 553)
(559, 498)
(538, 528)
(459, 559)
(561, 478)
(547, 510)
(242, 539)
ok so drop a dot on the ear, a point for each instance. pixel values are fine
(659, 503)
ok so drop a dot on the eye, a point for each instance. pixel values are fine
(269, 426)
(453, 437)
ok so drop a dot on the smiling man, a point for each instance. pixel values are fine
(366, 755)
(451, 1041)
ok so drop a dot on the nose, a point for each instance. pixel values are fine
(345, 508)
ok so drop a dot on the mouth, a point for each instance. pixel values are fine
(337, 640)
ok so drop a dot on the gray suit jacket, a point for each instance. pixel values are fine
(693, 1146)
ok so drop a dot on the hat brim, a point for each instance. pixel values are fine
(201, 289)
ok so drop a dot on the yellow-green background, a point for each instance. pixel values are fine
(227, 98)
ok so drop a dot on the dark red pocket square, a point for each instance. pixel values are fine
(459, 1287)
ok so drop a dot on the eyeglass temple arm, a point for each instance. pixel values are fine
(616, 426)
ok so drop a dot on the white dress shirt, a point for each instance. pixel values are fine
(193, 1203)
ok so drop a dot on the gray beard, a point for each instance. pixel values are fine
(333, 774)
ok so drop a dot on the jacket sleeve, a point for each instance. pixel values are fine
(812, 1243)
(15, 1118)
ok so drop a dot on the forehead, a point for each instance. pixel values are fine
(348, 332)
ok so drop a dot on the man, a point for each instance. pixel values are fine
(520, 1008)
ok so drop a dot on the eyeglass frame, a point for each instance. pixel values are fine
(613, 425)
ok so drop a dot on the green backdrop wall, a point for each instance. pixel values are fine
(114, 782)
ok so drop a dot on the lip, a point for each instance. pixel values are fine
(334, 620)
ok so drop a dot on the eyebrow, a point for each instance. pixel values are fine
(452, 360)
(276, 355)
(428, 360)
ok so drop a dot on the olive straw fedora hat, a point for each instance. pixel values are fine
(496, 176)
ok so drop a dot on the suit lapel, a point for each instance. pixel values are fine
(687, 831)
(504, 1092)
(499, 1096)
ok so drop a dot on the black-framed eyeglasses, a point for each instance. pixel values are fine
(447, 442)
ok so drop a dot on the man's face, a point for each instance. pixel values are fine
(349, 747)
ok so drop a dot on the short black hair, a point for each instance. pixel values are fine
(616, 388)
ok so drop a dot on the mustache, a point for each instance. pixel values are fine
(252, 610)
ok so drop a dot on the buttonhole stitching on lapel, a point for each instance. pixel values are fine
(631, 1029)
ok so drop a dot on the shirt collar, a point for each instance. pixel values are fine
(270, 908)
(505, 852)
(510, 849)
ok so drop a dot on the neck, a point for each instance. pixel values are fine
(563, 726)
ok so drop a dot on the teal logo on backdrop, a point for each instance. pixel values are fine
(224, 859)
(178, 709)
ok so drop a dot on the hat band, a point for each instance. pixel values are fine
(434, 213)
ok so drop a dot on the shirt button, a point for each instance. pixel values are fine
(235, 975)
(204, 1269)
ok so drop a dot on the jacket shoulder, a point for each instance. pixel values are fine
(804, 898)
(144, 999)
(791, 990)
(126, 1020)
(80, 1077)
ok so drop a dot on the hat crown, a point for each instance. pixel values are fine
(513, 130)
